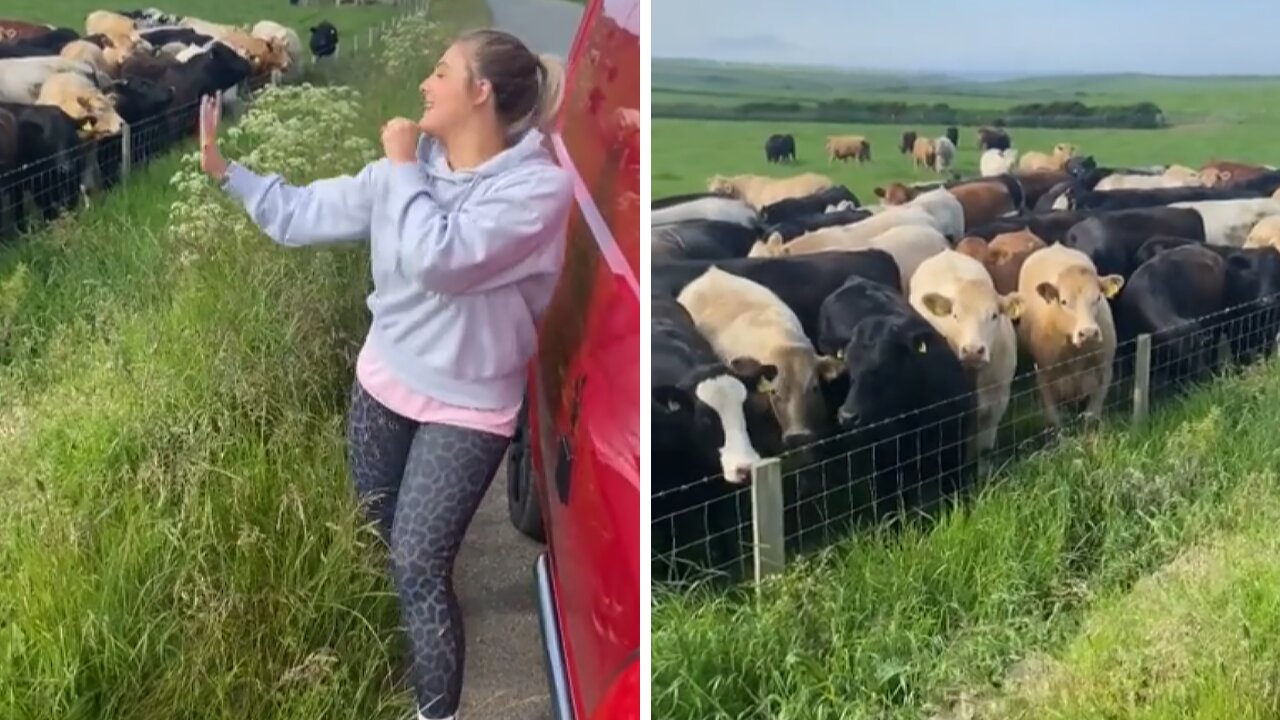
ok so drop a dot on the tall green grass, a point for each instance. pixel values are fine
(177, 534)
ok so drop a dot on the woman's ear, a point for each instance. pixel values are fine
(484, 90)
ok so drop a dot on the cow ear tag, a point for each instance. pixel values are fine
(765, 385)
(840, 354)
(923, 348)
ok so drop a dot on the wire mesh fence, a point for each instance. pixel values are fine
(887, 471)
(54, 173)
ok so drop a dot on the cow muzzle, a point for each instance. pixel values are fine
(1086, 335)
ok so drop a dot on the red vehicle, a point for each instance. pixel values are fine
(574, 472)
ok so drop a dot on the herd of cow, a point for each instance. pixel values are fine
(937, 153)
(880, 343)
(66, 98)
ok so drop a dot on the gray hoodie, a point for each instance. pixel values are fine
(464, 262)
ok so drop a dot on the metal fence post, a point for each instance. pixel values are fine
(1142, 380)
(768, 535)
(126, 151)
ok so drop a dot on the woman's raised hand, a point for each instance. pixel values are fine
(211, 160)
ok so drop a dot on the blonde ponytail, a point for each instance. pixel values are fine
(550, 91)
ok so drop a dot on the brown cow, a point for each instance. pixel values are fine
(1225, 173)
(1003, 256)
(1067, 327)
(843, 147)
(923, 153)
(22, 30)
(983, 200)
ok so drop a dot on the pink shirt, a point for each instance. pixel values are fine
(378, 381)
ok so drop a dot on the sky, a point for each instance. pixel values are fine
(982, 37)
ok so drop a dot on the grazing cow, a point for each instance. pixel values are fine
(1228, 222)
(993, 139)
(82, 102)
(760, 191)
(1266, 232)
(780, 148)
(953, 134)
(21, 78)
(742, 318)
(843, 147)
(997, 162)
(802, 282)
(704, 416)
(1167, 296)
(324, 39)
(1003, 256)
(944, 154)
(1067, 329)
(909, 406)
(922, 153)
(954, 293)
(11, 30)
(715, 207)
(1062, 152)
(700, 240)
(792, 208)
(1111, 240)
(803, 224)
(908, 142)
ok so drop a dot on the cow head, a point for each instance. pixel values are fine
(796, 395)
(896, 193)
(881, 357)
(972, 318)
(713, 406)
(1077, 295)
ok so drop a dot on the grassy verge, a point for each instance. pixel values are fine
(1097, 583)
(177, 538)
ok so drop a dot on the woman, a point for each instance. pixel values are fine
(466, 228)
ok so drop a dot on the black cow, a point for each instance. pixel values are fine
(802, 282)
(1265, 184)
(1174, 297)
(791, 229)
(953, 134)
(23, 49)
(780, 148)
(1150, 197)
(1051, 226)
(909, 407)
(908, 142)
(668, 201)
(1251, 318)
(50, 159)
(216, 69)
(792, 208)
(54, 40)
(324, 39)
(1112, 239)
(141, 102)
(166, 35)
(709, 423)
(993, 139)
(700, 240)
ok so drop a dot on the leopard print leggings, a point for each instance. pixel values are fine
(421, 484)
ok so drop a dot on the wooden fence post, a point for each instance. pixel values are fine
(768, 535)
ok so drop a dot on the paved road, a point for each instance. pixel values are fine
(505, 678)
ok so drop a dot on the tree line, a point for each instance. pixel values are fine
(1059, 114)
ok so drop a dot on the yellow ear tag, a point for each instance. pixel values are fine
(765, 386)
(924, 347)
(840, 354)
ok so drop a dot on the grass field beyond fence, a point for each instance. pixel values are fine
(1124, 573)
(177, 533)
